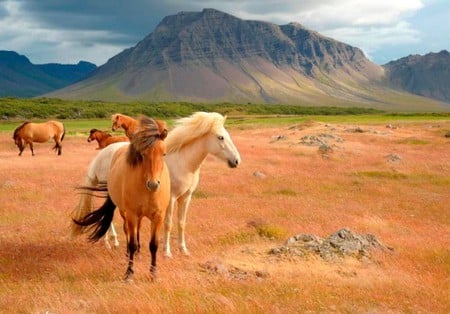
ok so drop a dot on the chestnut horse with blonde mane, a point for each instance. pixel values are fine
(128, 124)
(139, 185)
(188, 145)
(29, 132)
(104, 139)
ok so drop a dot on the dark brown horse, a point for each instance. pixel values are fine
(104, 139)
(29, 132)
(139, 184)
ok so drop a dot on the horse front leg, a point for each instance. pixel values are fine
(131, 248)
(31, 148)
(183, 206)
(168, 228)
(154, 242)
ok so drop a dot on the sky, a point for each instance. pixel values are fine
(67, 31)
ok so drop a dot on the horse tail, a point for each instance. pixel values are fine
(84, 207)
(63, 133)
(99, 220)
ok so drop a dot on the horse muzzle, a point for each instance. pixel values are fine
(233, 163)
(152, 185)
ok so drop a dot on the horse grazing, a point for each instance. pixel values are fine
(104, 139)
(128, 124)
(29, 132)
(139, 184)
(188, 144)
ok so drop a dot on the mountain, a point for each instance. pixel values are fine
(211, 56)
(20, 78)
(427, 75)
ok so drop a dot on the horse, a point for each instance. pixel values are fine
(98, 172)
(188, 145)
(139, 184)
(128, 124)
(104, 139)
(29, 132)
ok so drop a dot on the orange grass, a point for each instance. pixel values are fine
(404, 204)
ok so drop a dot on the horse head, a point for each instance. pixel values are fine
(147, 150)
(116, 122)
(220, 144)
(92, 135)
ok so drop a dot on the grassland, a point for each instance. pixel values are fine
(236, 218)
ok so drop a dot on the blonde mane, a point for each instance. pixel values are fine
(190, 128)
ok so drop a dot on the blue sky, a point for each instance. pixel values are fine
(67, 31)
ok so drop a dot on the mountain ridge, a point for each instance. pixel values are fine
(427, 75)
(21, 78)
(239, 60)
(212, 56)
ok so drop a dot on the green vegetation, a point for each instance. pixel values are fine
(79, 115)
(382, 175)
(45, 108)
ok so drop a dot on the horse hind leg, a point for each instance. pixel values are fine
(111, 234)
(31, 148)
(57, 147)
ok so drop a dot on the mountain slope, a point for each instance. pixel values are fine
(427, 75)
(20, 78)
(211, 56)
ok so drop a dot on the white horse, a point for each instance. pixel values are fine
(98, 171)
(188, 145)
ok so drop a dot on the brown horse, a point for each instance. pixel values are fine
(125, 122)
(139, 184)
(29, 132)
(104, 139)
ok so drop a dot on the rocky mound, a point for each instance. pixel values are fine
(338, 245)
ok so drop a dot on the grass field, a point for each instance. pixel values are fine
(403, 202)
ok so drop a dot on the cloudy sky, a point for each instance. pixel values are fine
(67, 31)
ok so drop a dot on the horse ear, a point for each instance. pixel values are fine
(163, 134)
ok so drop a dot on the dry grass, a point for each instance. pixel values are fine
(234, 220)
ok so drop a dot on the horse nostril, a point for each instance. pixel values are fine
(233, 163)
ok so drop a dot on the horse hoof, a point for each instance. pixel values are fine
(167, 254)
(128, 278)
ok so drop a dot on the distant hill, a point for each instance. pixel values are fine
(427, 75)
(211, 56)
(20, 78)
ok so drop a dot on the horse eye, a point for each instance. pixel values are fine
(220, 137)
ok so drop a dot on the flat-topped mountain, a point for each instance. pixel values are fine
(212, 56)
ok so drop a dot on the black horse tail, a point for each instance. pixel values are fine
(99, 220)
(64, 133)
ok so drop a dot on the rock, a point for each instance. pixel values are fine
(393, 158)
(447, 134)
(340, 244)
(259, 174)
